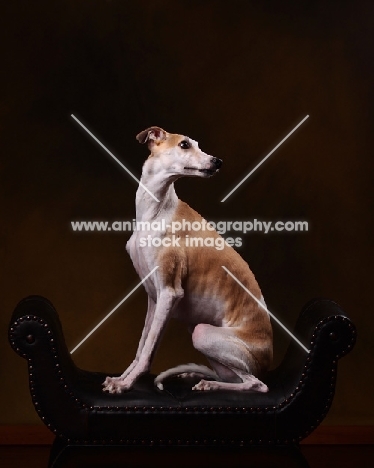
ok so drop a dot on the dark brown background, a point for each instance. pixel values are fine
(237, 76)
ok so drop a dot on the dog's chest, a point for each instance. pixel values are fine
(142, 251)
(143, 248)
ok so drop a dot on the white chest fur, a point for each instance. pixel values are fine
(152, 222)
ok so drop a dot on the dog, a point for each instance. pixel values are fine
(227, 325)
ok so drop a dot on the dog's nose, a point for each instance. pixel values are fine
(217, 162)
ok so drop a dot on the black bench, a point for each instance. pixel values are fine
(70, 401)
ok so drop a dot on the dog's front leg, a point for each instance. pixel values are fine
(148, 344)
(147, 325)
(145, 332)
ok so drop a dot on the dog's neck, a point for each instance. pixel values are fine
(162, 187)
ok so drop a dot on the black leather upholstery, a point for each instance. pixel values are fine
(71, 403)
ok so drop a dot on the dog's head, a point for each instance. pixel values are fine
(178, 155)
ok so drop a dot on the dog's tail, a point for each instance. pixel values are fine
(185, 370)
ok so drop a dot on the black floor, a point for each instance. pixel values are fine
(322, 456)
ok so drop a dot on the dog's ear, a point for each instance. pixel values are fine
(151, 135)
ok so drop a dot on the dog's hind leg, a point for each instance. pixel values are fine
(234, 360)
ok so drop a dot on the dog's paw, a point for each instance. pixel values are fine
(115, 385)
(204, 385)
(260, 387)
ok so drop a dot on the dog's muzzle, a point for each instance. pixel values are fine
(215, 166)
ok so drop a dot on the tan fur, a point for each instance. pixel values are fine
(197, 273)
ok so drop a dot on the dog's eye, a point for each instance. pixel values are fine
(185, 144)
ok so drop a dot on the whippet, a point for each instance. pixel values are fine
(228, 326)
